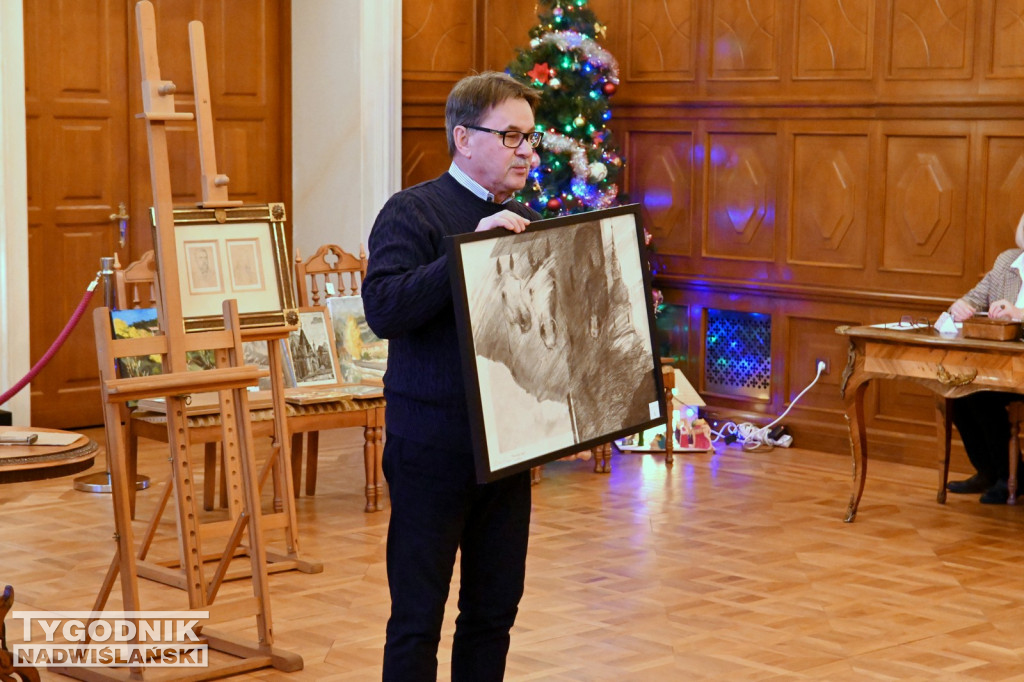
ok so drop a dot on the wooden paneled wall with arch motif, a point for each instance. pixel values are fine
(823, 162)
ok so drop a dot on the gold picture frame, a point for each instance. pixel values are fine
(238, 252)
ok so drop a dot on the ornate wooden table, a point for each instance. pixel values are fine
(32, 462)
(950, 366)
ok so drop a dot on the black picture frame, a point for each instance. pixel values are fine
(556, 328)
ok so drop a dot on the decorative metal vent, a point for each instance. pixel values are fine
(738, 353)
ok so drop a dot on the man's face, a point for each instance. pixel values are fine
(487, 160)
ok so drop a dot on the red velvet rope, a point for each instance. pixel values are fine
(65, 333)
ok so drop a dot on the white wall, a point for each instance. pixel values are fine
(14, 338)
(346, 118)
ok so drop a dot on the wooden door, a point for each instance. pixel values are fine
(87, 152)
(77, 142)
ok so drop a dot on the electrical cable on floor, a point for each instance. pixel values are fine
(760, 438)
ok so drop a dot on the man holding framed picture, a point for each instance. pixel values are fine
(437, 508)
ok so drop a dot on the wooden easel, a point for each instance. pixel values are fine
(231, 378)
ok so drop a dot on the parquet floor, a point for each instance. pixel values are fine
(733, 566)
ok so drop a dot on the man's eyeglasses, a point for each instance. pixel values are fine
(513, 138)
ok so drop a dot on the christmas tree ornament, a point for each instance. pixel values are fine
(598, 171)
(555, 83)
(540, 72)
(554, 203)
(609, 88)
(579, 121)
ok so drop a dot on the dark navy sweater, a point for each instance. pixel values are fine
(407, 297)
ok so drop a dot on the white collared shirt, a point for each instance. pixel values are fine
(1018, 265)
(471, 184)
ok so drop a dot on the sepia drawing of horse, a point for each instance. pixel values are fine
(558, 315)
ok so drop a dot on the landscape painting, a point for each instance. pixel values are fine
(362, 356)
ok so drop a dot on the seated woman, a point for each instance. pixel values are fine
(981, 417)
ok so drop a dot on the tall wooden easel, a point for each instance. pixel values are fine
(231, 378)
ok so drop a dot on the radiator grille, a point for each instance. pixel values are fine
(737, 353)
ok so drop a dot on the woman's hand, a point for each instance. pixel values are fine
(1004, 310)
(961, 310)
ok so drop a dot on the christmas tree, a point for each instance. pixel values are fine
(578, 162)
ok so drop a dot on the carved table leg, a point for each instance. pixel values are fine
(942, 424)
(858, 446)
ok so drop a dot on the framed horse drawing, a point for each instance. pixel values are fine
(556, 327)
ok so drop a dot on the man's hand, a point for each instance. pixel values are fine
(961, 310)
(506, 219)
(1004, 310)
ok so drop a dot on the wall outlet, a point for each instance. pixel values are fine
(822, 361)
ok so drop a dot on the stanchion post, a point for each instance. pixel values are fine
(100, 482)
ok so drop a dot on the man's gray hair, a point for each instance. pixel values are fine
(473, 96)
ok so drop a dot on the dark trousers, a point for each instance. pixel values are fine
(984, 428)
(438, 508)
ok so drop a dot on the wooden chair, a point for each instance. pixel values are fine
(8, 671)
(332, 271)
(135, 285)
(206, 429)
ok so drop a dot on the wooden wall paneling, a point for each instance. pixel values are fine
(1001, 48)
(1002, 146)
(745, 41)
(424, 155)
(806, 339)
(741, 181)
(930, 50)
(829, 182)
(440, 43)
(660, 48)
(926, 199)
(506, 26)
(664, 185)
(930, 40)
(834, 40)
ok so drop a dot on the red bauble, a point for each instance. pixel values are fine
(554, 203)
(609, 88)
